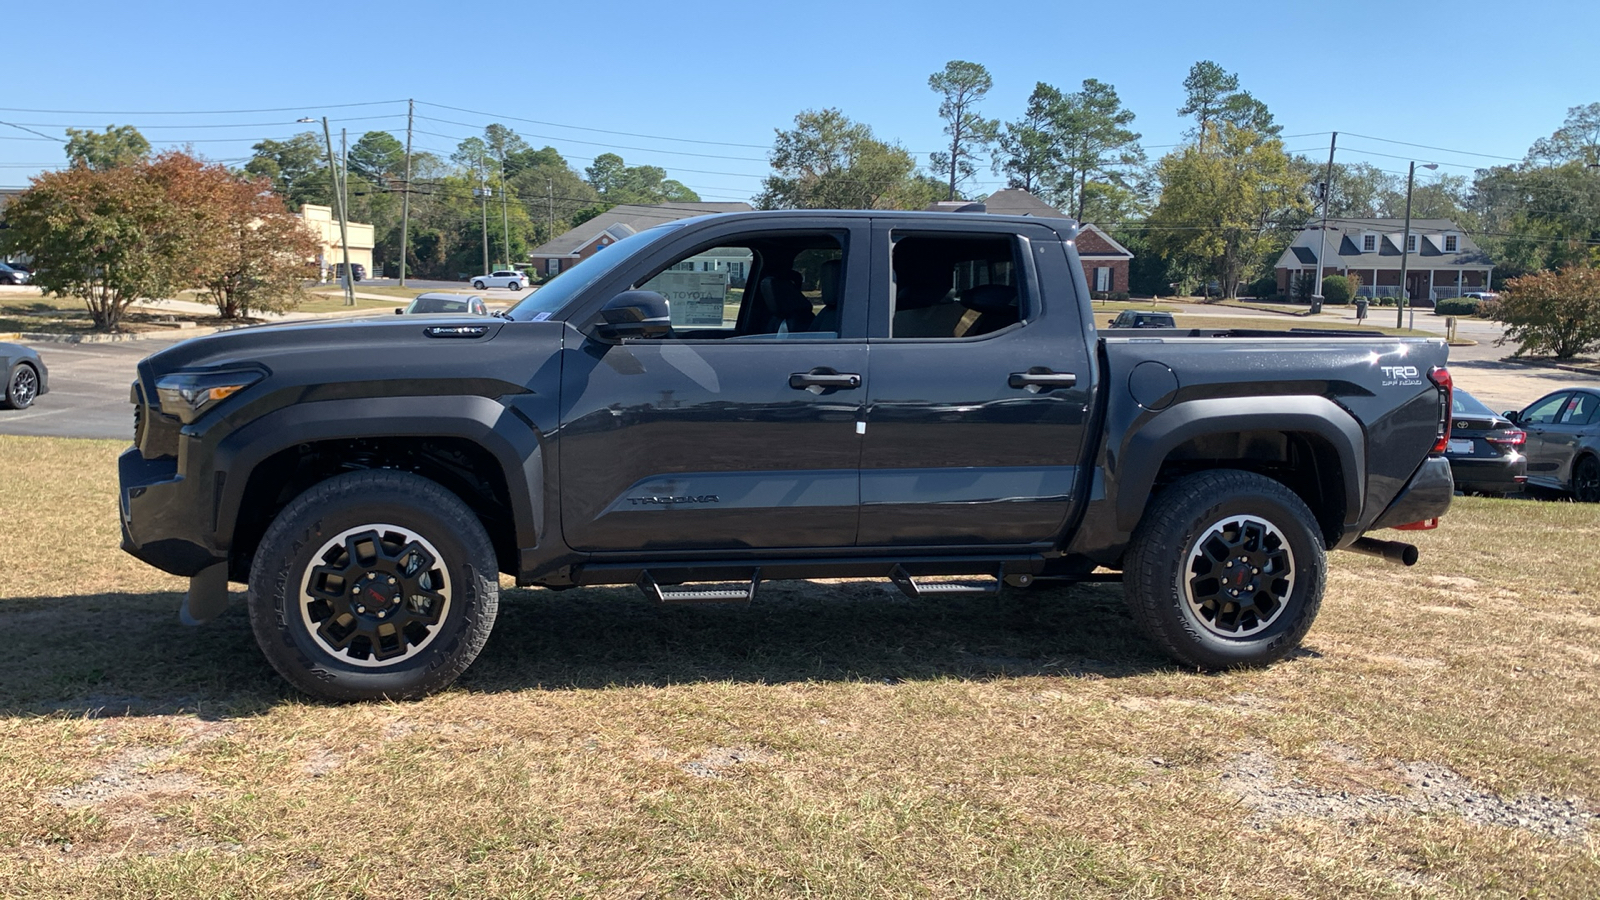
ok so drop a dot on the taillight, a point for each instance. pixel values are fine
(1440, 376)
(1509, 438)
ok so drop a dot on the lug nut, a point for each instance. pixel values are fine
(361, 609)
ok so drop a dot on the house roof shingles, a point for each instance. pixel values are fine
(1018, 202)
(621, 221)
(1344, 251)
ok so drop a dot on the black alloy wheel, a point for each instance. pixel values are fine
(1226, 569)
(1240, 575)
(1586, 480)
(22, 387)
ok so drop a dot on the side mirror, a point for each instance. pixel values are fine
(636, 314)
(1513, 416)
(399, 310)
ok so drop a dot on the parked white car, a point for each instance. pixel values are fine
(505, 278)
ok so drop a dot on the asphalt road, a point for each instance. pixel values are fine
(88, 391)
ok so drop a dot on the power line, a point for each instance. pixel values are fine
(193, 112)
(657, 137)
(31, 131)
(1427, 147)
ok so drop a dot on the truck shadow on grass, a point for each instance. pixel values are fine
(114, 655)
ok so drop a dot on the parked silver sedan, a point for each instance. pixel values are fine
(1563, 446)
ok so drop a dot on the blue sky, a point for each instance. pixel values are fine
(1466, 75)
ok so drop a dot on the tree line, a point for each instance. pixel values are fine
(1219, 208)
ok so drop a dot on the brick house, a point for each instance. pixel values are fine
(1443, 261)
(1105, 262)
(567, 250)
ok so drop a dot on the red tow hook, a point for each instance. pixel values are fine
(1424, 525)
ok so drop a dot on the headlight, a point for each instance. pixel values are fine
(188, 394)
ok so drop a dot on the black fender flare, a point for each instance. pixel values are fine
(1147, 447)
(484, 421)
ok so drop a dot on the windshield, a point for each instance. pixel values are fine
(1463, 403)
(552, 297)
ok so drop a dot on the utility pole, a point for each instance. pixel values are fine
(1405, 252)
(344, 226)
(550, 185)
(1322, 239)
(405, 198)
(483, 200)
(505, 207)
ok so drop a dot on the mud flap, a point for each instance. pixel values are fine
(207, 597)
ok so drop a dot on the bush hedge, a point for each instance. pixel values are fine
(1336, 289)
(1457, 306)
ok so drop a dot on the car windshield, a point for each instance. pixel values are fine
(1464, 404)
(438, 305)
(552, 297)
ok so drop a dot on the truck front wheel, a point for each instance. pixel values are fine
(373, 584)
(1226, 569)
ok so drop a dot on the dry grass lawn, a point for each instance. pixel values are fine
(1438, 737)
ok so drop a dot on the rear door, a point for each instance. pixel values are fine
(977, 393)
(1562, 438)
(739, 431)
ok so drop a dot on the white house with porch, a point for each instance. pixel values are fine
(1441, 260)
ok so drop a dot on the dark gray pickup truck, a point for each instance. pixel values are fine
(726, 400)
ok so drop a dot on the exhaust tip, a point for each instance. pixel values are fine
(1394, 551)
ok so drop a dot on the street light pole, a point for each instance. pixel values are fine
(1405, 248)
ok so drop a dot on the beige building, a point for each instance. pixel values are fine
(324, 226)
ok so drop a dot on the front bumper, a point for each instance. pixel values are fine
(1426, 496)
(160, 524)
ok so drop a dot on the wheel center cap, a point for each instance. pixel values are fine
(373, 593)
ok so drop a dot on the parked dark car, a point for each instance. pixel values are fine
(1564, 442)
(357, 271)
(10, 274)
(430, 304)
(1131, 318)
(26, 376)
(1485, 449)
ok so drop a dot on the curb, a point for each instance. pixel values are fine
(1537, 364)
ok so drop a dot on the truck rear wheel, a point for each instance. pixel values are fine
(373, 584)
(1226, 570)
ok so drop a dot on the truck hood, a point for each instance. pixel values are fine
(391, 338)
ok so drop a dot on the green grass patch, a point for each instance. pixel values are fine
(832, 740)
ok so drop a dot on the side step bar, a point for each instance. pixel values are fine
(909, 586)
(656, 592)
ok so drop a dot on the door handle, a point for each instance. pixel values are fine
(824, 379)
(1041, 378)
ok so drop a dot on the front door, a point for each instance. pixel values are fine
(738, 430)
(1537, 420)
(977, 394)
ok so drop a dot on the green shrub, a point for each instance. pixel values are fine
(1336, 289)
(1457, 306)
(1120, 295)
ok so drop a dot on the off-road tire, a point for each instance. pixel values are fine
(1159, 577)
(420, 512)
(21, 388)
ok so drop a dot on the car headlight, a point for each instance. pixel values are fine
(188, 394)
